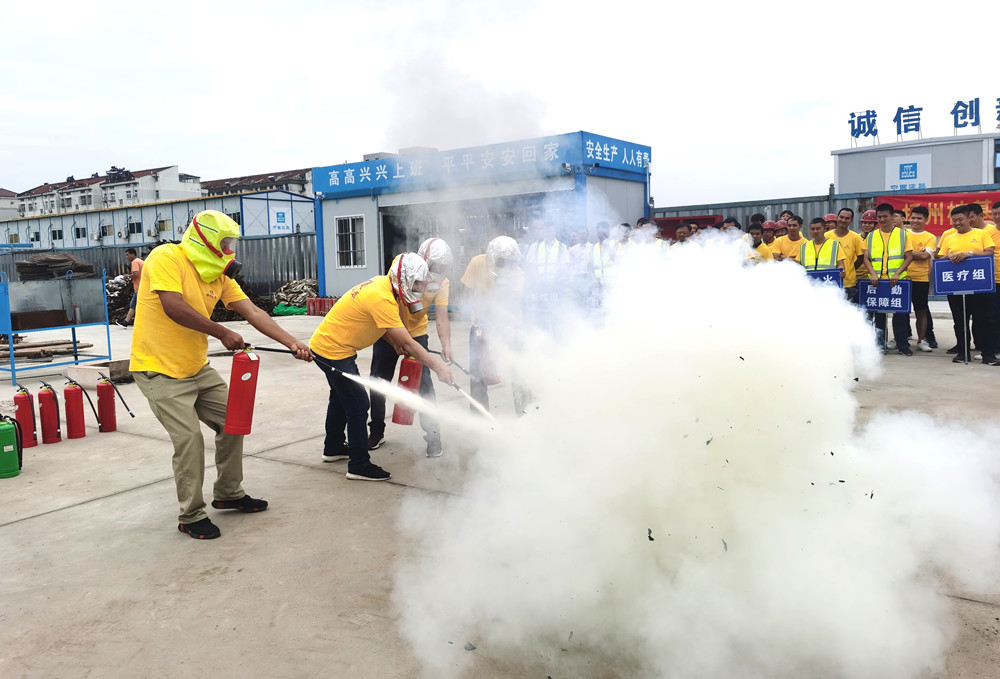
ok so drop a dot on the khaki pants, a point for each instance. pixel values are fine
(179, 404)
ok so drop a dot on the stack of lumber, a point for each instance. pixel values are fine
(55, 265)
(41, 349)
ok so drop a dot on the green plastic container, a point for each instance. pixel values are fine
(10, 452)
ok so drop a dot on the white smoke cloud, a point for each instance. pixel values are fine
(689, 495)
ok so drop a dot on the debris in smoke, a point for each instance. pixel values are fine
(649, 534)
(741, 358)
(709, 440)
(469, 646)
(725, 547)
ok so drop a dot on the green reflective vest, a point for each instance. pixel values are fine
(887, 262)
(825, 258)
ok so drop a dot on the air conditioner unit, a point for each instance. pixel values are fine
(119, 234)
(151, 232)
(95, 236)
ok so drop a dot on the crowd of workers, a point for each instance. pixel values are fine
(506, 286)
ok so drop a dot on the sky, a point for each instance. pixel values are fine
(737, 100)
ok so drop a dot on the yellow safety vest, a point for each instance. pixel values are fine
(826, 258)
(893, 259)
(603, 261)
(547, 263)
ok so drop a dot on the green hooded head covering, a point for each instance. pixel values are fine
(202, 243)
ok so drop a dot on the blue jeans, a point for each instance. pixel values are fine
(348, 408)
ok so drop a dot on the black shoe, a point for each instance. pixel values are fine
(121, 323)
(932, 340)
(375, 440)
(337, 457)
(954, 350)
(200, 530)
(370, 472)
(906, 351)
(990, 359)
(958, 359)
(244, 504)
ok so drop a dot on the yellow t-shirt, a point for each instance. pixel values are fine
(764, 250)
(160, 344)
(416, 324)
(788, 247)
(851, 245)
(883, 261)
(973, 240)
(499, 299)
(920, 271)
(994, 234)
(357, 320)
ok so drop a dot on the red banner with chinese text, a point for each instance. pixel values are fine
(940, 205)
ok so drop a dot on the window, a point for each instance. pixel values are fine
(135, 228)
(34, 237)
(57, 234)
(66, 202)
(235, 216)
(165, 225)
(14, 238)
(157, 194)
(111, 196)
(86, 199)
(80, 233)
(128, 194)
(106, 229)
(350, 242)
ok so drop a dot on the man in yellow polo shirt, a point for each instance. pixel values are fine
(368, 311)
(495, 285)
(967, 238)
(924, 243)
(853, 247)
(439, 259)
(179, 287)
(787, 247)
(888, 256)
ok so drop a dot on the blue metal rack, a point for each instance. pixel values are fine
(69, 294)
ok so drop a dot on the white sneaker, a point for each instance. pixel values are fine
(922, 345)
(891, 344)
(978, 357)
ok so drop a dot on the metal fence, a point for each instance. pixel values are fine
(806, 207)
(268, 263)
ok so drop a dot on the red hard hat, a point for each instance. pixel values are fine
(830, 217)
(782, 224)
(869, 216)
(769, 225)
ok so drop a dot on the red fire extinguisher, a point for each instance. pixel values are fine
(48, 414)
(24, 411)
(410, 370)
(76, 425)
(242, 392)
(107, 420)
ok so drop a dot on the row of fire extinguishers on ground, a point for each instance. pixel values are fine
(22, 430)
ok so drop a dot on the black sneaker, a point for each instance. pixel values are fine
(337, 457)
(371, 472)
(375, 440)
(906, 351)
(931, 340)
(434, 452)
(200, 530)
(954, 350)
(244, 504)
(958, 359)
(124, 325)
(990, 359)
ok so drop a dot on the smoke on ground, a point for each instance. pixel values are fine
(689, 495)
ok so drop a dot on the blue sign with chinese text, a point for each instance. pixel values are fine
(886, 299)
(968, 277)
(828, 276)
(543, 157)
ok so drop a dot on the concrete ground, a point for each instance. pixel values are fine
(96, 581)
